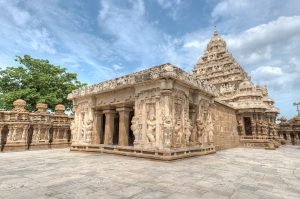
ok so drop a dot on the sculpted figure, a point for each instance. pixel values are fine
(187, 131)
(253, 126)
(24, 133)
(210, 130)
(14, 135)
(264, 128)
(151, 126)
(135, 128)
(37, 135)
(240, 128)
(88, 130)
(259, 127)
(82, 131)
(178, 133)
(168, 127)
(73, 130)
(200, 130)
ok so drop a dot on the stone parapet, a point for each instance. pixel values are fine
(23, 130)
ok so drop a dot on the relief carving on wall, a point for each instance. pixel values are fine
(151, 124)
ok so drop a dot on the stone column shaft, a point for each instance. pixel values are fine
(109, 126)
(97, 127)
(123, 125)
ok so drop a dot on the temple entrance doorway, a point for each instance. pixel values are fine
(247, 125)
(3, 137)
(116, 130)
(102, 130)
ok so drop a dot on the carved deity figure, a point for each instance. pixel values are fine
(239, 128)
(264, 128)
(167, 129)
(210, 130)
(187, 131)
(177, 133)
(37, 135)
(253, 126)
(88, 130)
(151, 126)
(259, 127)
(73, 129)
(14, 135)
(200, 130)
(82, 131)
(135, 127)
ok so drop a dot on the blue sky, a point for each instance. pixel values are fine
(103, 39)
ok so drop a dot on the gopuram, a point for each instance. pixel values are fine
(166, 113)
(22, 130)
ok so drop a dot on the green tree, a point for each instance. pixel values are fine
(34, 81)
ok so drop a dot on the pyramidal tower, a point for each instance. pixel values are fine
(218, 66)
(255, 110)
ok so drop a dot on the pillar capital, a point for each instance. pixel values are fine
(109, 111)
(124, 109)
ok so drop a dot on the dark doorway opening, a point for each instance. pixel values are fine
(292, 138)
(247, 125)
(30, 135)
(131, 135)
(284, 136)
(4, 134)
(102, 131)
(116, 130)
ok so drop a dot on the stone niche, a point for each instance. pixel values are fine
(161, 113)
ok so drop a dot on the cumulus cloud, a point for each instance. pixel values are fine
(24, 30)
(119, 37)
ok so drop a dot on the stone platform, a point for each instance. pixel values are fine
(234, 173)
(167, 155)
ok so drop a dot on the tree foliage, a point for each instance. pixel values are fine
(34, 81)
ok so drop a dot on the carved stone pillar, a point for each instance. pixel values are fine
(109, 126)
(123, 125)
(97, 129)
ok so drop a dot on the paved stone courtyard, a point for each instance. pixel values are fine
(234, 173)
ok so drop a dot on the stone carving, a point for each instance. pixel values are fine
(88, 130)
(73, 129)
(187, 130)
(210, 130)
(240, 127)
(136, 129)
(178, 134)
(167, 129)
(165, 70)
(151, 126)
(200, 130)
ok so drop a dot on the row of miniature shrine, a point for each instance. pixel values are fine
(23, 130)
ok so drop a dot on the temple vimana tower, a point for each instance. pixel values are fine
(166, 113)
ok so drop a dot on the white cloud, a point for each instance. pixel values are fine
(23, 29)
(117, 67)
(172, 7)
(267, 71)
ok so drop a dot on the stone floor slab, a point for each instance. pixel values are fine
(234, 173)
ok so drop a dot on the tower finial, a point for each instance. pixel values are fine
(215, 31)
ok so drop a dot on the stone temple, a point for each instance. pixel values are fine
(166, 113)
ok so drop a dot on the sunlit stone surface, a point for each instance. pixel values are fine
(233, 173)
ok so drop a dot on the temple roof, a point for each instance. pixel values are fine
(154, 73)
